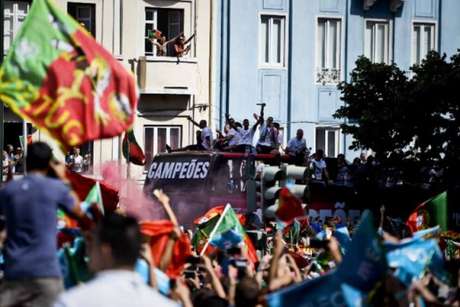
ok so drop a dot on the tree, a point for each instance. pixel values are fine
(415, 116)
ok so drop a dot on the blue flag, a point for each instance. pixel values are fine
(413, 257)
(427, 233)
(227, 239)
(362, 268)
(364, 265)
(321, 291)
(343, 237)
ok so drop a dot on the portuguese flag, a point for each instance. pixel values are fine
(431, 213)
(131, 150)
(58, 77)
(228, 231)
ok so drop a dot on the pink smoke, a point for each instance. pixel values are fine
(133, 201)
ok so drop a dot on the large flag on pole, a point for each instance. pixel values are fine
(225, 232)
(431, 213)
(59, 78)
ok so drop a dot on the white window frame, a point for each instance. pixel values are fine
(283, 44)
(389, 41)
(434, 37)
(15, 17)
(337, 133)
(168, 135)
(320, 70)
(154, 23)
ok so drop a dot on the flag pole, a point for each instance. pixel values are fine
(213, 232)
(25, 139)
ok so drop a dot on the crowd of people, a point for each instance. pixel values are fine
(13, 161)
(265, 136)
(76, 162)
(109, 261)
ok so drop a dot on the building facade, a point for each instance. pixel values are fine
(291, 54)
(173, 92)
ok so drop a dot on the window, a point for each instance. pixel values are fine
(157, 137)
(169, 21)
(327, 139)
(272, 40)
(85, 14)
(423, 41)
(328, 50)
(14, 14)
(377, 41)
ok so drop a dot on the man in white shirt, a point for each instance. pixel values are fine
(319, 167)
(296, 148)
(246, 133)
(206, 135)
(114, 247)
(75, 161)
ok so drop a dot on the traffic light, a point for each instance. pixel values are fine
(296, 181)
(272, 176)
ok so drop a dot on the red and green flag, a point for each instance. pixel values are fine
(289, 207)
(84, 185)
(59, 78)
(159, 234)
(205, 224)
(225, 231)
(431, 213)
(94, 197)
(131, 150)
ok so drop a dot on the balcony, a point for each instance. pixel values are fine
(167, 75)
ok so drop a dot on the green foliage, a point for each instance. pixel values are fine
(416, 115)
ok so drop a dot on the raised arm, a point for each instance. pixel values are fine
(215, 282)
(173, 39)
(189, 39)
(175, 234)
(165, 202)
(193, 122)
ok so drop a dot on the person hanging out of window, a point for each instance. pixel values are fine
(181, 45)
(160, 42)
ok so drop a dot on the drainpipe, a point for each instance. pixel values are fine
(345, 65)
(211, 67)
(439, 25)
(221, 64)
(289, 85)
(227, 93)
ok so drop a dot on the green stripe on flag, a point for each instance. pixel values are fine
(43, 37)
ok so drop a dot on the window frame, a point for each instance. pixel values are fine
(15, 24)
(93, 10)
(327, 129)
(340, 41)
(284, 40)
(155, 137)
(155, 26)
(434, 35)
(389, 37)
